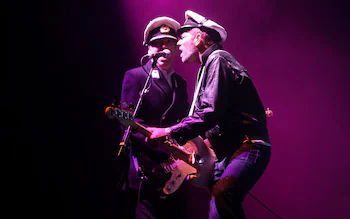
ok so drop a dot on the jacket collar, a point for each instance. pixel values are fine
(208, 51)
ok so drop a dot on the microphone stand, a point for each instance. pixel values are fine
(127, 132)
(123, 142)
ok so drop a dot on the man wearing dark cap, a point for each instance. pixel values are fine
(163, 104)
(227, 107)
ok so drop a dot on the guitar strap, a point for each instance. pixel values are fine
(200, 76)
(198, 86)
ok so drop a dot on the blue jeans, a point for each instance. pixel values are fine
(234, 176)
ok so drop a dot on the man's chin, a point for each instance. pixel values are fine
(185, 60)
(163, 64)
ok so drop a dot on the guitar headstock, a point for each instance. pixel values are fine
(123, 114)
(116, 113)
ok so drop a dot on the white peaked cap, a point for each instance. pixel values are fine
(193, 20)
(160, 27)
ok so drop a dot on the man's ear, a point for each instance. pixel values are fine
(198, 40)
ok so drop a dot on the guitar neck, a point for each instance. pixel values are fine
(179, 152)
(141, 129)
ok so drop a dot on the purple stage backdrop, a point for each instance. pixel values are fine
(297, 56)
(66, 64)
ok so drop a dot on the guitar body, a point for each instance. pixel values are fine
(192, 161)
(178, 175)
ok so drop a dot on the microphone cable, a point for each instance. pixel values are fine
(143, 67)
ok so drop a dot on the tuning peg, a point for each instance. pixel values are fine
(124, 105)
(113, 101)
(268, 112)
(131, 106)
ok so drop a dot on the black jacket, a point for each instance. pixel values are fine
(228, 106)
(162, 106)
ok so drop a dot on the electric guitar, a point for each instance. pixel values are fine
(193, 161)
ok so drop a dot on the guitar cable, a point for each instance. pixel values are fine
(264, 205)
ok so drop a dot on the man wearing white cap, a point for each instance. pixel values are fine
(163, 104)
(227, 107)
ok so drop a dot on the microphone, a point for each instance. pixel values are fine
(165, 53)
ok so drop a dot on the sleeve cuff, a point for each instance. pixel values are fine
(175, 128)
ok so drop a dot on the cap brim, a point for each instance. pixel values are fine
(184, 29)
(162, 37)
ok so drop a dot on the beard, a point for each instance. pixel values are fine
(190, 55)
